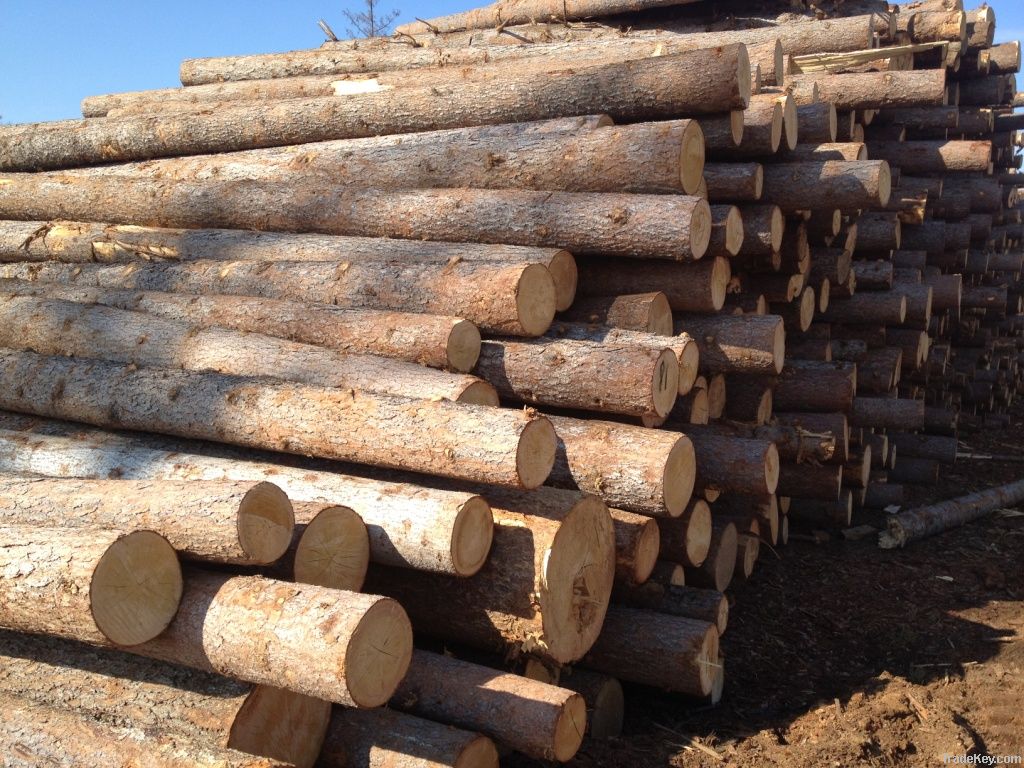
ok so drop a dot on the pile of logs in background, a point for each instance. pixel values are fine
(394, 402)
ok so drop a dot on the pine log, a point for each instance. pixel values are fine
(544, 588)
(447, 439)
(748, 401)
(986, 91)
(880, 370)
(604, 698)
(723, 131)
(871, 308)
(669, 652)
(698, 287)
(833, 264)
(734, 182)
(735, 465)
(686, 540)
(637, 543)
(817, 123)
(831, 513)
(736, 344)
(915, 471)
(934, 156)
(912, 343)
(646, 312)
(830, 184)
(878, 231)
(763, 230)
(338, 646)
(887, 413)
(384, 738)
(703, 604)
(850, 351)
(809, 482)
(921, 522)
(716, 572)
(1004, 59)
(841, 151)
(125, 691)
(229, 522)
(669, 574)
(947, 292)
(816, 387)
(799, 314)
(427, 529)
(651, 226)
(330, 548)
(876, 90)
(935, 447)
(919, 304)
(873, 275)
(921, 118)
(933, 26)
(763, 129)
(632, 468)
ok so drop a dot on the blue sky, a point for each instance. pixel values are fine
(52, 54)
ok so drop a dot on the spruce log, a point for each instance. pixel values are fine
(56, 327)
(817, 123)
(637, 543)
(330, 548)
(875, 90)
(763, 230)
(809, 482)
(763, 129)
(921, 522)
(887, 413)
(816, 387)
(632, 468)
(100, 586)
(935, 447)
(736, 344)
(727, 233)
(447, 439)
(827, 185)
(872, 308)
(878, 231)
(131, 692)
(606, 705)
(748, 401)
(229, 522)
(581, 374)
(699, 287)
(735, 465)
(717, 570)
(684, 84)
(615, 224)
(873, 275)
(734, 182)
(686, 540)
(703, 604)
(947, 292)
(545, 586)
(338, 646)
(383, 738)
(647, 312)
(934, 156)
(669, 652)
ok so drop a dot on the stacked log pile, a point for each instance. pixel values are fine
(533, 360)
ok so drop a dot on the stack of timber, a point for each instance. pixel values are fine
(389, 336)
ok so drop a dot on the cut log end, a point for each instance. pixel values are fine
(607, 711)
(281, 724)
(265, 523)
(723, 565)
(691, 158)
(778, 224)
(833, 122)
(334, 550)
(698, 533)
(565, 275)
(535, 455)
(665, 384)
(736, 126)
(378, 653)
(779, 347)
(463, 347)
(479, 753)
(689, 366)
(569, 730)
(743, 76)
(536, 299)
(479, 393)
(759, 187)
(136, 588)
(646, 552)
(824, 294)
(700, 229)
(721, 274)
(472, 534)
(884, 184)
(790, 121)
(679, 476)
(771, 468)
(734, 231)
(808, 306)
(659, 320)
(778, 126)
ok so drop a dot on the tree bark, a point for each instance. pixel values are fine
(764, 228)
(686, 540)
(544, 588)
(727, 231)
(934, 156)
(871, 308)
(702, 604)
(737, 344)
(817, 123)
(934, 447)
(873, 275)
(887, 413)
(947, 292)
(816, 387)
(762, 130)
(877, 90)
(806, 482)
(919, 304)
(748, 401)
(447, 439)
(646, 312)
(827, 185)
(716, 572)
(228, 522)
(880, 370)
(604, 699)
(637, 543)
(848, 151)
(698, 287)
(94, 585)
(735, 465)
(878, 231)
(734, 182)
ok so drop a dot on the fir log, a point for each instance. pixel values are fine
(915, 471)
(935, 447)
(734, 182)
(338, 646)
(433, 340)
(810, 482)
(877, 231)
(544, 588)
(827, 185)
(614, 224)
(32, 735)
(934, 156)
(637, 543)
(748, 401)
(514, 299)
(131, 692)
(876, 90)
(330, 548)
(763, 230)
(445, 531)
(848, 151)
(727, 233)
(947, 292)
(581, 374)
(605, 700)
(673, 653)
(880, 370)
(817, 123)
(919, 304)
(228, 522)
(100, 586)
(684, 84)
(736, 344)
(56, 327)
(384, 738)
(873, 275)
(698, 287)
(763, 128)
(442, 438)
(921, 522)
(887, 413)
(821, 513)
(735, 465)
(686, 540)
(816, 387)
(647, 312)
(640, 470)
(870, 308)
(716, 572)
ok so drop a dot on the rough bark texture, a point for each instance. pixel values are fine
(806, 482)
(737, 344)
(647, 312)
(735, 465)
(605, 700)
(875, 90)
(228, 522)
(763, 230)
(699, 287)
(685, 540)
(734, 182)
(827, 185)
(873, 275)
(702, 604)
(637, 543)
(817, 123)
(448, 439)
(935, 447)
(870, 308)
(816, 387)
(934, 156)
(887, 413)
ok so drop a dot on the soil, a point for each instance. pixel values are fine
(841, 654)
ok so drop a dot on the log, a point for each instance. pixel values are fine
(763, 129)
(919, 304)
(848, 151)
(878, 231)
(736, 344)
(383, 738)
(921, 118)
(934, 447)
(583, 222)
(817, 123)
(686, 540)
(827, 185)
(921, 522)
(726, 231)
(125, 691)
(809, 482)
(880, 370)
(887, 413)
(100, 586)
(734, 182)
(445, 531)
(698, 287)
(764, 227)
(947, 292)
(871, 308)
(537, 719)
(831, 513)
(580, 374)
(702, 604)
(228, 522)
(635, 469)
(604, 698)
(510, 299)
(816, 387)
(934, 26)
(915, 471)
(702, 82)
(544, 588)
(474, 443)
(857, 472)
(667, 573)
(295, 636)
(716, 572)
(883, 494)
(877, 90)
(637, 543)
(1004, 59)
(56, 327)
(646, 312)
(934, 156)
(669, 652)
(330, 548)
(735, 465)
(748, 401)
(873, 275)
(723, 131)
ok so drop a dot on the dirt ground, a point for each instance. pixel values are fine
(842, 654)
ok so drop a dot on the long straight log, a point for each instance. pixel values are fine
(816, 387)
(699, 287)
(869, 308)
(935, 447)
(734, 182)
(934, 156)
(737, 344)
(229, 522)
(686, 540)
(887, 413)
(875, 90)
(100, 586)
(646, 312)
(735, 465)
(703, 604)
(448, 439)
(807, 482)
(828, 185)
